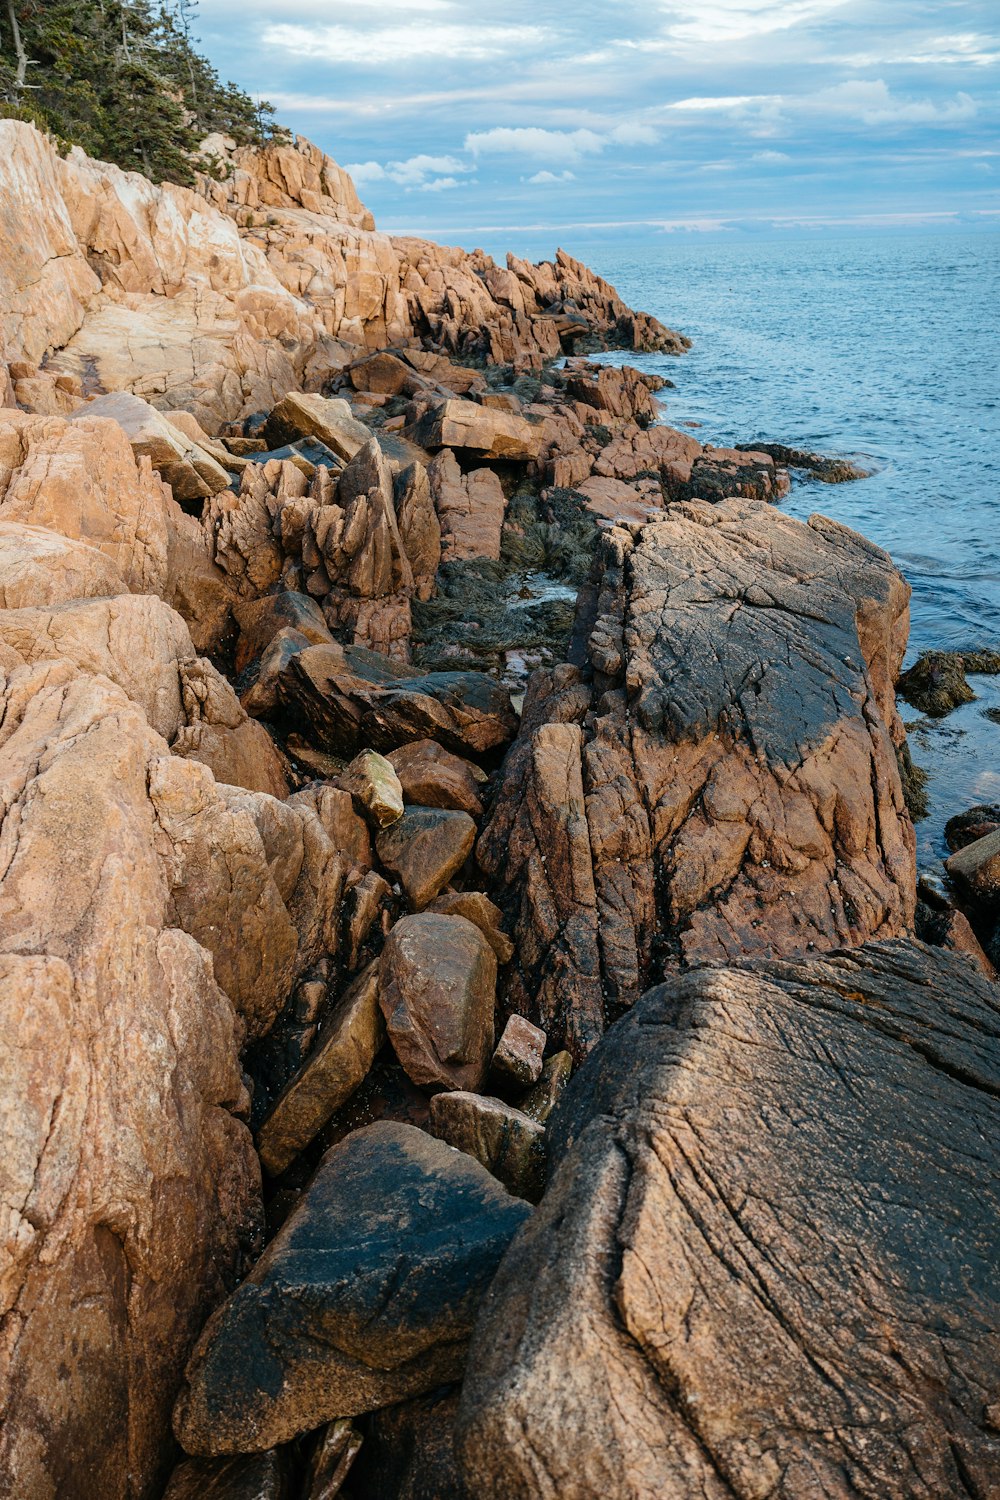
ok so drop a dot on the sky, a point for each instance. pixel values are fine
(651, 116)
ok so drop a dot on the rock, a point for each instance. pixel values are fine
(486, 432)
(936, 683)
(131, 1186)
(300, 415)
(79, 478)
(225, 456)
(975, 869)
(826, 470)
(219, 733)
(346, 701)
(517, 1062)
(260, 684)
(432, 777)
(481, 911)
(333, 1457)
(722, 473)
(260, 620)
(39, 567)
(723, 1270)
(196, 586)
(507, 1142)
(539, 1102)
(438, 983)
(345, 1049)
(409, 1450)
(951, 929)
(373, 783)
(424, 848)
(969, 826)
(365, 901)
(191, 472)
(366, 1297)
(727, 782)
(419, 527)
(470, 509)
(253, 1476)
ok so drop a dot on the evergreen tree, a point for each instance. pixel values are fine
(122, 79)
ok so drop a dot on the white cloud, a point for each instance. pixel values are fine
(635, 135)
(718, 21)
(770, 156)
(873, 103)
(412, 173)
(544, 177)
(399, 46)
(440, 185)
(365, 171)
(555, 145)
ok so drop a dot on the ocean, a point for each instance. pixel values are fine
(883, 348)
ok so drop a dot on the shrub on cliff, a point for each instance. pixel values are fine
(123, 79)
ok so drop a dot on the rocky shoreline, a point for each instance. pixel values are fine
(465, 1026)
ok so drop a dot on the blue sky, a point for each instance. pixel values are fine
(645, 114)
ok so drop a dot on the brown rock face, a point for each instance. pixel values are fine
(424, 849)
(433, 777)
(470, 509)
(419, 527)
(255, 1476)
(131, 1188)
(509, 1144)
(727, 783)
(745, 1276)
(480, 430)
(438, 985)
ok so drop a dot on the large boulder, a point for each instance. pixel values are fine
(424, 849)
(190, 470)
(302, 415)
(39, 567)
(366, 1297)
(766, 1259)
(480, 430)
(470, 509)
(723, 780)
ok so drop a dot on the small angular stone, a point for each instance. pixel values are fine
(539, 1102)
(507, 1142)
(477, 908)
(371, 780)
(424, 849)
(517, 1062)
(432, 777)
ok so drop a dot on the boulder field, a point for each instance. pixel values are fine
(464, 1029)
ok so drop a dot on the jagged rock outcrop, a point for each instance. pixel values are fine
(727, 783)
(764, 1262)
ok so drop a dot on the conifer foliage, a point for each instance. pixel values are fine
(124, 80)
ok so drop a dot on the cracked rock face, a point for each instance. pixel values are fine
(765, 1261)
(725, 783)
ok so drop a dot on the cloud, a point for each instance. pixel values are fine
(771, 157)
(412, 173)
(635, 135)
(440, 185)
(527, 140)
(544, 177)
(872, 102)
(736, 20)
(399, 46)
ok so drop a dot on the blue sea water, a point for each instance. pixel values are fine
(886, 348)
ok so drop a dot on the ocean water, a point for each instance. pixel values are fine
(882, 348)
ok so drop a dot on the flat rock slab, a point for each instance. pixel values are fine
(366, 1297)
(345, 1049)
(481, 430)
(507, 1142)
(438, 991)
(766, 1259)
(425, 848)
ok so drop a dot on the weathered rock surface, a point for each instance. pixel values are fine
(419, 527)
(424, 849)
(409, 1450)
(372, 782)
(508, 1143)
(365, 1298)
(344, 1051)
(260, 620)
(517, 1062)
(254, 1476)
(765, 1258)
(481, 911)
(300, 415)
(39, 567)
(481, 430)
(437, 991)
(432, 777)
(936, 683)
(976, 869)
(131, 1191)
(190, 470)
(470, 509)
(726, 784)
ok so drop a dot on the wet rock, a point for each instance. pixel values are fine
(366, 1297)
(299, 415)
(424, 848)
(969, 826)
(723, 1270)
(345, 1049)
(727, 783)
(372, 782)
(363, 906)
(721, 473)
(480, 910)
(951, 929)
(432, 777)
(975, 869)
(517, 1062)
(508, 1143)
(348, 700)
(827, 470)
(936, 683)
(470, 509)
(254, 1476)
(539, 1102)
(409, 1450)
(438, 986)
(260, 620)
(478, 430)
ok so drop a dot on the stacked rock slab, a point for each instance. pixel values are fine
(765, 1262)
(724, 781)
